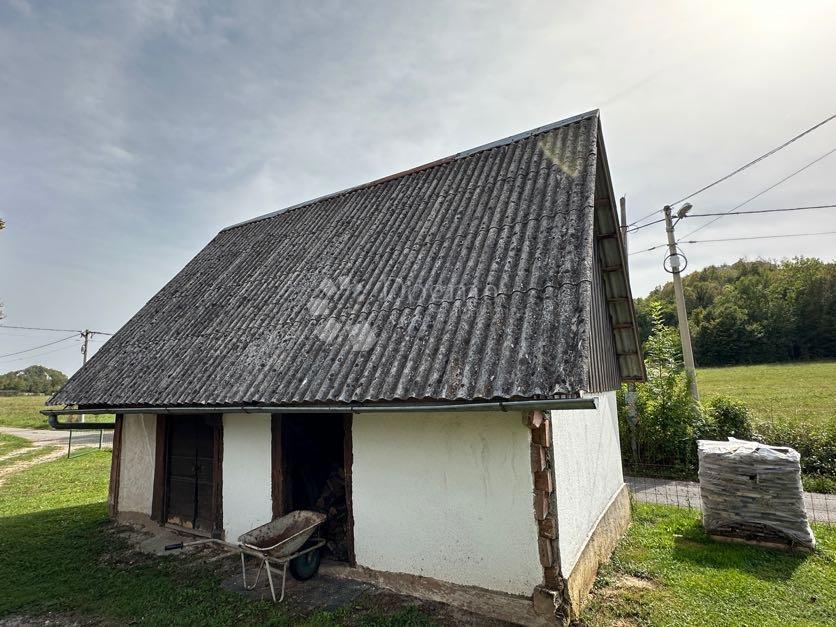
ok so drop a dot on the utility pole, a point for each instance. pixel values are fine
(681, 311)
(85, 335)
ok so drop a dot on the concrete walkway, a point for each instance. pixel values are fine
(820, 507)
(40, 437)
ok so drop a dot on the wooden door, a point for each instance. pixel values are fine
(190, 481)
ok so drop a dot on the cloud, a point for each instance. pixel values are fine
(133, 132)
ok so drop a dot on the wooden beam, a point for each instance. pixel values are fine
(348, 461)
(158, 498)
(217, 477)
(115, 469)
(277, 466)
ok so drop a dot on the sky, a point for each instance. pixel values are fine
(131, 133)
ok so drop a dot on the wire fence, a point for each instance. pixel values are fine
(667, 485)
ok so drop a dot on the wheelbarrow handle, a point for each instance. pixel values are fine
(171, 547)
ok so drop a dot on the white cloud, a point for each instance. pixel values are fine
(132, 133)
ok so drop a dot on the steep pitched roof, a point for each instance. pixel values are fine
(467, 278)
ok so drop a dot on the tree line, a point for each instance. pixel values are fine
(753, 312)
(32, 380)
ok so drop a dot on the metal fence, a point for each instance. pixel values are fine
(685, 492)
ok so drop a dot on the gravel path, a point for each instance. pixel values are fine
(820, 507)
(51, 436)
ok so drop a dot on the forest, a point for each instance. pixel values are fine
(752, 312)
(32, 380)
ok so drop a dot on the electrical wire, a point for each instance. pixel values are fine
(737, 239)
(743, 213)
(737, 213)
(12, 326)
(734, 239)
(761, 193)
(34, 348)
(754, 161)
(740, 169)
(63, 348)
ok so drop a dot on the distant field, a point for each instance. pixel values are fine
(803, 392)
(24, 412)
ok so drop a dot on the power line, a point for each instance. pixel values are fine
(34, 348)
(737, 239)
(737, 213)
(63, 348)
(741, 213)
(754, 161)
(741, 168)
(734, 239)
(12, 326)
(761, 193)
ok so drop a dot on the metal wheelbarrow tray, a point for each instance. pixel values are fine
(279, 542)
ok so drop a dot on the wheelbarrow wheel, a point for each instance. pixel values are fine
(305, 566)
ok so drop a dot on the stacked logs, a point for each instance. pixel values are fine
(753, 491)
(331, 502)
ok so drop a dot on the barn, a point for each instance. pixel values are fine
(431, 359)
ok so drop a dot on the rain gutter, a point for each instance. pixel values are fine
(545, 404)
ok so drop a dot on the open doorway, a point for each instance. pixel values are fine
(314, 459)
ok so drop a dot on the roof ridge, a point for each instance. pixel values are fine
(459, 155)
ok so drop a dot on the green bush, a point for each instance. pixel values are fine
(726, 418)
(815, 443)
(663, 441)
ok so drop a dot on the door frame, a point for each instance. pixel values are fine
(159, 498)
(279, 476)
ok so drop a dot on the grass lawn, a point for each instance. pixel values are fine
(668, 572)
(24, 412)
(57, 556)
(11, 443)
(799, 392)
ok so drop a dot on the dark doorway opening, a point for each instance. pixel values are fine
(192, 472)
(316, 467)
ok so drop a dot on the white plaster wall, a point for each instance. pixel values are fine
(136, 472)
(587, 457)
(247, 488)
(448, 496)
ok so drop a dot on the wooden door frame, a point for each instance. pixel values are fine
(158, 501)
(115, 469)
(279, 476)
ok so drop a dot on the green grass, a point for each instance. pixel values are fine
(27, 456)
(11, 443)
(668, 572)
(57, 555)
(797, 392)
(24, 412)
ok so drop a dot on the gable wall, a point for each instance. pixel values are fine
(587, 455)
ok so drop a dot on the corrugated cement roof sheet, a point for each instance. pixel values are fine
(468, 278)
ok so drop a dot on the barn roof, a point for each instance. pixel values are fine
(468, 278)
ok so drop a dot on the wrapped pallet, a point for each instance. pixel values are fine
(752, 491)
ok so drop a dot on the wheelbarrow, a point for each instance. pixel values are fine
(284, 542)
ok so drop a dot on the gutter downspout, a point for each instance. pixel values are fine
(550, 404)
(85, 426)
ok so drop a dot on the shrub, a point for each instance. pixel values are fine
(726, 418)
(815, 443)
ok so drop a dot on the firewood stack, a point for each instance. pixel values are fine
(752, 491)
(332, 503)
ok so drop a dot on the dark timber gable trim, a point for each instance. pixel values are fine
(615, 349)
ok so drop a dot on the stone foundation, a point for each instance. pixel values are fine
(599, 547)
